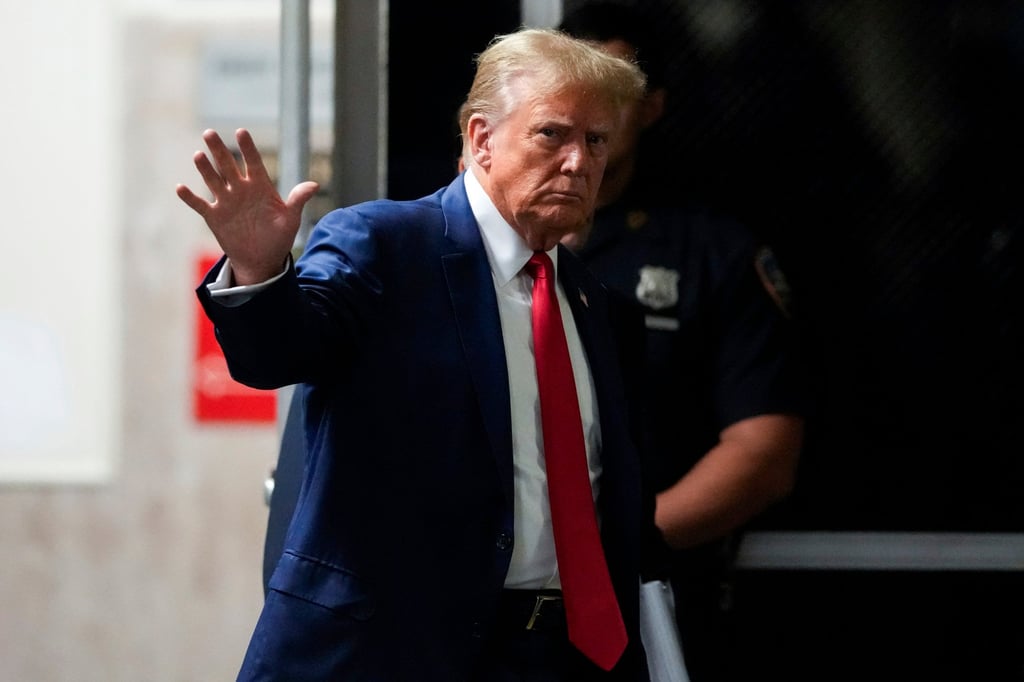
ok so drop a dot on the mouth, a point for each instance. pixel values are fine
(567, 197)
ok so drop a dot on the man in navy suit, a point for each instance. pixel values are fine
(422, 544)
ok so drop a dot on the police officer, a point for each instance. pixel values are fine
(720, 391)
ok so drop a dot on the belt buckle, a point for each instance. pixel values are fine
(537, 606)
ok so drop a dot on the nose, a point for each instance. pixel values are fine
(574, 160)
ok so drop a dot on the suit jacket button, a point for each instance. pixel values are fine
(504, 541)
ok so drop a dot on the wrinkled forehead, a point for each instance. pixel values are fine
(569, 104)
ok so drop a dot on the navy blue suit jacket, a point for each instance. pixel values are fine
(402, 536)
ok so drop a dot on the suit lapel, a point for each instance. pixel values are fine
(471, 288)
(579, 293)
(589, 311)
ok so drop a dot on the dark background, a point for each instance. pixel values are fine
(876, 145)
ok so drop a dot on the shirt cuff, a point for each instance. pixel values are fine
(224, 291)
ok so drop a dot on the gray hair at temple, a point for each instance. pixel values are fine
(552, 61)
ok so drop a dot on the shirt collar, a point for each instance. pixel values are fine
(506, 250)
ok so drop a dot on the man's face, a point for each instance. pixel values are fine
(543, 163)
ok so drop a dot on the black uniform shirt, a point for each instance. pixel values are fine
(718, 345)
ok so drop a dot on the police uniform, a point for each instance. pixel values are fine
(717, 347)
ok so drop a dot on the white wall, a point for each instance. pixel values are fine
(59, 327)
(62, 127)
(152, 571)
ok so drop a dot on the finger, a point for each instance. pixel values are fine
(197, 204)
(254, 166)
(298, 198)
(300, 195)
(209, 174)
(222, 157)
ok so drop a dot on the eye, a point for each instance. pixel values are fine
(596, 138)
(548, 132)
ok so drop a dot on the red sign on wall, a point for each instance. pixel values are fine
(216, 397)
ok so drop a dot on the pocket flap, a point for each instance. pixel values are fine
(329, 586)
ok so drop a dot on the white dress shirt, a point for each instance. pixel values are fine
(533, 557)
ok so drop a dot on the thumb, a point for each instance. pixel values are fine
(300, 195)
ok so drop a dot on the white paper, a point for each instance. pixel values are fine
(659, 633)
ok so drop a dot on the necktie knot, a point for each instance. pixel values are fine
(540, 266)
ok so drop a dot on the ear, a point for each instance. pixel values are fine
(479, 139)
(652, 107)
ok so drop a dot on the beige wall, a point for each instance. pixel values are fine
(154, 574)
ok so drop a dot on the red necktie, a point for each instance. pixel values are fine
(595, 623)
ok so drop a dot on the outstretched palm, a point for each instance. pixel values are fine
(252, 224)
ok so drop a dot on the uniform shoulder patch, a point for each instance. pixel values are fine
(774, 280)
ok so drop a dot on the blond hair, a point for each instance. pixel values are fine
(553, 61)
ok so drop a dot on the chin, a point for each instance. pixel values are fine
(567, 219)
(552, 226)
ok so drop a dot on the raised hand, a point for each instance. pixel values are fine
(252, 224)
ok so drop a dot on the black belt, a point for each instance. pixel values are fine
(539, 610)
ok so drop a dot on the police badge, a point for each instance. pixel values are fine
(658, 287)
